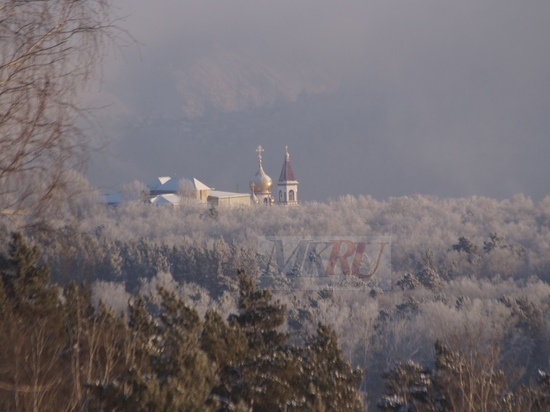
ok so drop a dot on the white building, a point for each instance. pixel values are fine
(167, 185)
(218, 198)
(172, 191)
(201, 190)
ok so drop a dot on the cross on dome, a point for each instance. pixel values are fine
(259, 150)
(261, 183)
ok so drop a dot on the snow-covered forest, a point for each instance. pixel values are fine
(148, 308)
(469, 293)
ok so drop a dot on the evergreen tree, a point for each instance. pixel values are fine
(27, 283)
(468, 247)
(426, 271)
(31, 332)
(539, 396)
(264, 383)
(185, 374)
(331, 382)
(259, 317)
(409, 387)
(167, 370)
(226, 346)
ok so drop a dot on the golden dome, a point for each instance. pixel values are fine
(261, 183)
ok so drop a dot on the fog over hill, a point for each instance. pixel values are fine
(371, 97)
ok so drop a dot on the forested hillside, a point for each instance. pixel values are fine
(62, 353)
(462, 323)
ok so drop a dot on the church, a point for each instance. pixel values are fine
(261, 184)
(174, 192)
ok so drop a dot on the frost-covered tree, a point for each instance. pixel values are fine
(426, 272)
(49, 51)
(468, 247)
(26, 282)
(409, 387)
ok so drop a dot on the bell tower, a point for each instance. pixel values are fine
(287, 185)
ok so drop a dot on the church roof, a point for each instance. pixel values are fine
(169, 199)
(165, 184)
(200, 185)
(287, 174)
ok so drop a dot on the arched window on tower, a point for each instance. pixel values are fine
(280, 196)
(291, 195)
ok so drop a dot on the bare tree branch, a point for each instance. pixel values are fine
(49, 51)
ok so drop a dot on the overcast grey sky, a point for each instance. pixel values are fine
(450, 98)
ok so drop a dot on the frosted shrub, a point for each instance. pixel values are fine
(112, 294)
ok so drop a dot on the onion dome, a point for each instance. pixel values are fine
(261, 183)
(253, 197)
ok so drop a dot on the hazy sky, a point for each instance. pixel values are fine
(450, 98)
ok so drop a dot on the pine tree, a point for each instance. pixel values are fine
(269, 368)
(226, 346)
(167, 369)
(426, 272)
(27, 283)
(468, 247)
(259, 317)
(183, 369)
(409, 387)
(133, 388)
(31, 330)
(331, 382)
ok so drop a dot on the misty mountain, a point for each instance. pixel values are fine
(209, 81)
(370, 98)
(231, 82)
